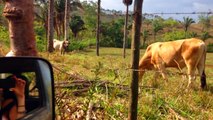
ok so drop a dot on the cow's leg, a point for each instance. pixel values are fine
(162, 70)
(191, 75)
(201, 71)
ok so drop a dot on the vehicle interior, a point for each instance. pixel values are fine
(36, 74)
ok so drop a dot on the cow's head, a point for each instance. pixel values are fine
(66, 44)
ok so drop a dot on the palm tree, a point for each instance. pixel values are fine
(187, 22)
(127, 3)
(50, 26)
(205, 35)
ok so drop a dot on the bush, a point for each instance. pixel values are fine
(4, 36)
(40, 44)
(40, 37)
(176, 35)
(210, 48)
(81, 45)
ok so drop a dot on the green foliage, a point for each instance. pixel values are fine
(167, 101)
(59, 5)
(81, 45)
(40, 36)
(205, 35)
(145, 35)
(210, 48)
(157, 25)
(187, 22)
(1, 9)
(4, 35)
(112, 34)
(170, 22)
(89, 16)
(205, 21)
(97, 70)
(76, 24)
(174, 35)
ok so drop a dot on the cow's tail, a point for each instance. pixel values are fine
(203, 76)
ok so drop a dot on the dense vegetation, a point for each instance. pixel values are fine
(109, 74)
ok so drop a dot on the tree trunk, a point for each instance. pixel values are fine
(98, 28)
(22, 37)
(50, 26)
(125, 31)
(133, 104)
(66, 20)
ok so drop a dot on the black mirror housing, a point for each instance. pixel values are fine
(44, 78)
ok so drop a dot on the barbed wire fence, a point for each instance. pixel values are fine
(83, 85)
(122, 13)
(151, 15)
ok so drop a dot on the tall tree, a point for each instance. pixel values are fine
(22, 37)
(42, 15)
(98, 28)
(76, 25)
(133, 104)
(127, 3)
(145, 35)
(50, 26)
(66, 20)
(205, 21)
(156, 26)
(60, 14)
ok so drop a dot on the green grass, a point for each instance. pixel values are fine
(161, 101)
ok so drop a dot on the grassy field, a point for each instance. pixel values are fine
(157, 100)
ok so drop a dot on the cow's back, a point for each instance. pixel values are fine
(176, 53)
(193, 48)
(167, 53)
(194, 52)
(56, 44)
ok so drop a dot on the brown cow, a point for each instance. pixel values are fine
(190, 53)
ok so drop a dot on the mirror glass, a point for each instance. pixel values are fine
(37, 73)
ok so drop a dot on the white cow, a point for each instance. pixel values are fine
(60, 45)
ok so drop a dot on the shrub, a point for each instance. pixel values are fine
(40, 36)
(174, 35)
(4, 36)
(210, 48)
(81, 45)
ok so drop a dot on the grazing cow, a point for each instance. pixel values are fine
(60, 45)
(190, 53)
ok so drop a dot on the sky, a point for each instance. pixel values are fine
(163, 6)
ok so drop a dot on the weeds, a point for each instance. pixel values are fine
(164, 100)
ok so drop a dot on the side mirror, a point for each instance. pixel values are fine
(39, 92)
